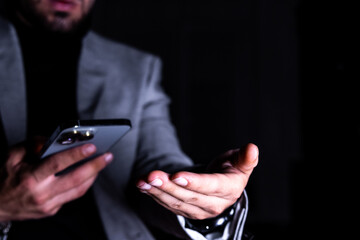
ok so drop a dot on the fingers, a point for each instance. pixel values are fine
(229, 180)
(181, 207)
(223, 185)
(79, 175)
(51, 206)
(46, 197)
(181, 200)
(62, 160)
(190, 186)
(247, 159)
(34, 191)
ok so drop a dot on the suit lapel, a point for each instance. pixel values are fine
(91, 74)
(12, 85)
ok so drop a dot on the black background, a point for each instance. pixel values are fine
(279, 73)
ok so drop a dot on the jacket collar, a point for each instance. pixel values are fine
(12, 85)
(91, 73)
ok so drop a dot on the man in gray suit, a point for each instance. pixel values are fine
(54, 68)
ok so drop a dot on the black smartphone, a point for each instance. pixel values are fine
(103, 133)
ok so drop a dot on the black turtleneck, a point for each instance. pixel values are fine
(51, 64)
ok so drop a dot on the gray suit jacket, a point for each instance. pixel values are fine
(114, 81)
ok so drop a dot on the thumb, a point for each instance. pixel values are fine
(246, 159)
(15, 156)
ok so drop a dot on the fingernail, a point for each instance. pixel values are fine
(144, 186)
(156, 183)
(181, 181)
(109, 157)
(89, 149)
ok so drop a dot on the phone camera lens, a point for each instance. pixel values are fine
(87, 135)
(74, 136)
(67, 138)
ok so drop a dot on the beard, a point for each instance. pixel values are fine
(62, 23)
(57, 22)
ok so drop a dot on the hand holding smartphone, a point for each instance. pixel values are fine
(103, 133)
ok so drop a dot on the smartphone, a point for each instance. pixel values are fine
(103, 133)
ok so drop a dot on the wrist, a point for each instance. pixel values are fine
(4, 229)
(212, 225)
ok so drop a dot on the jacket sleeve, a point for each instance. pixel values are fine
(233, 230)
(159, 149)
(158, 146)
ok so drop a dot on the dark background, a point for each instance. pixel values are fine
(279, 73)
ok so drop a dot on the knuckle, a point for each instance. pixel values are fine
(43, 210)
(81, 191)
(98, 163)
(46, 210)
(177, 205)
(216, 210)
(55, 165)
(236, 196)
(28, 183)
(236, 193)
(38, 201)
(193, 200)
(52, 212)
(78, 152)
(28, 187)
(76, 180)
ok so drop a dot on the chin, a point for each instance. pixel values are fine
(62, 23)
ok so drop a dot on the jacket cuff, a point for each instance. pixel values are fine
(233, 230)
